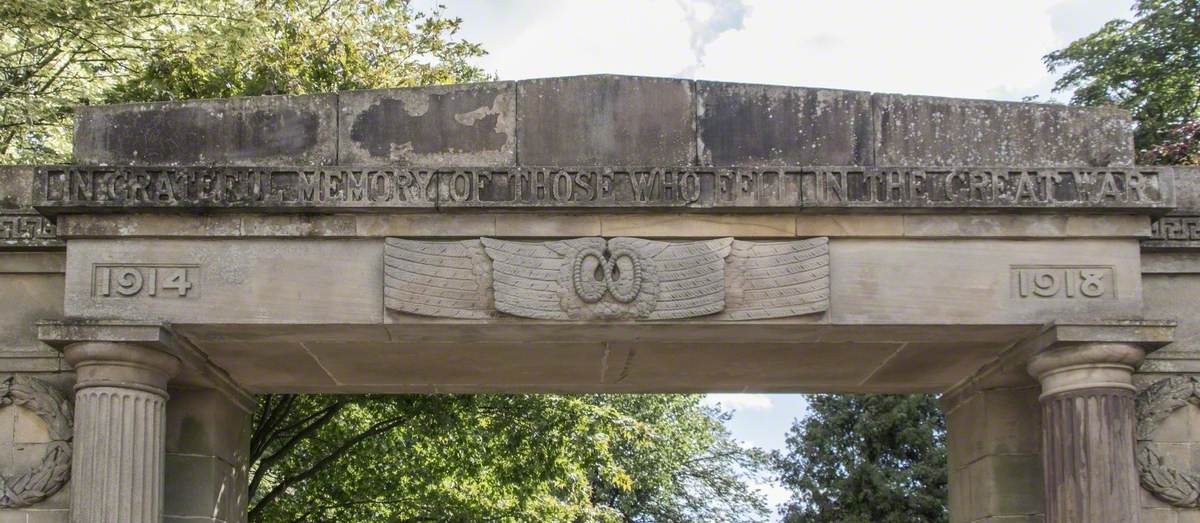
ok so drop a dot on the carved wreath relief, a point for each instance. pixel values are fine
(1154, 405)
(53, 471)
(598, 278)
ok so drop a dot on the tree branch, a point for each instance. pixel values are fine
(375, 430)
(263, 465)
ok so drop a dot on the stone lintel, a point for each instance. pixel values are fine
(196, 370)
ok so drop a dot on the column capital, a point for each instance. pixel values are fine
(120, 364)
(154, 345)
(1070, 357)
(1079, 366)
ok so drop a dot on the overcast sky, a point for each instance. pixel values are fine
(964, 48)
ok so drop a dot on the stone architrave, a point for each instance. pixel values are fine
(1154, 404)
(611, 279)
(53, 471)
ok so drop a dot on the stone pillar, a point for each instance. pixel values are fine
(120, 399)
(208, 448)
(994, 440)
(1088, 422)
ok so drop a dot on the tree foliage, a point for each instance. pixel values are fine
(262, 47)
(56, 54)
(516, 458)
(1149, 65)
(866, 459)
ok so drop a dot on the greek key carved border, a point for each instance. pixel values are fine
(27, 230)
(1174, 232)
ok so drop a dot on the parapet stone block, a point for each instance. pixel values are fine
(921, 130)
(761, 125)
(299, 130)
(468, 124)
(606, 120)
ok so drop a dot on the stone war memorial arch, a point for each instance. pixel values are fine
(600, 234)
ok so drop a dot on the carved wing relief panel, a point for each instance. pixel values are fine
(610, 279)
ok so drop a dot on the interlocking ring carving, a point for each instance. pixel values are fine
(589, 276)
(47, 477)
(617, 273)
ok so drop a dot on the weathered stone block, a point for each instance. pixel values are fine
(1187, 183)
(745, 124)
(197, 486)
(1008, 485)
(924, 130)
(37, 296)
(605, 120)
(467, 124)
(1159, 515)
(16, 186)
(49, 516)
(204, 422)
(20, 226)
(300, 130)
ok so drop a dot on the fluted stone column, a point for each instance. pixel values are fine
(120, 398)
(1088, 423)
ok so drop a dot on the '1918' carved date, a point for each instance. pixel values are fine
(146, 281)
(1063, 282)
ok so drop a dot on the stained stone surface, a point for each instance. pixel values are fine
(948, 131)
(23, 439)
(745, 124)
(469, 124)
(297, 130)
(607, 120)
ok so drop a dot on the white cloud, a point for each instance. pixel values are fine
(740, 401)
(708, 19)
(966, 48)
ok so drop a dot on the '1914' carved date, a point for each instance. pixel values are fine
(1063, 282)
(146, 281)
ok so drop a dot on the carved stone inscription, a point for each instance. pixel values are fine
(1062, 282)
(236, 186)
(145, 281)
(598, 278)
(60, 187)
